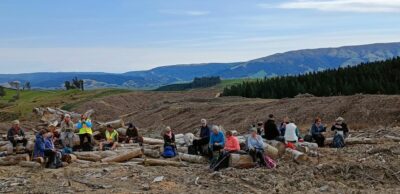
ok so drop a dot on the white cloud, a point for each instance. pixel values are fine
(185, 12)
(361, 6)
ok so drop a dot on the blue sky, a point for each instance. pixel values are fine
(125, 35)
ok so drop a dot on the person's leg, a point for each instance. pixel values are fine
(14, 143)
(114, 145)
(51, 156)
(252, 153)
(260, 156)
(24, 142)
(81, 140)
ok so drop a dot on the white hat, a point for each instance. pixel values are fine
(15, 122)
(67, 116)
(339, 119)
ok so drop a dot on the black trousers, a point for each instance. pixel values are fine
(15, 142)
(257, 154)
(51, 155)
(320, 139)
(83, 136)
(199, 143)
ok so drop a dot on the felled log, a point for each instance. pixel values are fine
(179, 136)
(121, 131)
(88, 156)
(152, 141)
(14, 159)
(355, 140)
(241, 161)
(297, 155)
(393, 138)
(278, 145)
(158, 162)
(29, 164)
(182, 149)
(271, 151)
(309, 145)
(119, 123)
(121, 157)
(193, 158)
(151, 153)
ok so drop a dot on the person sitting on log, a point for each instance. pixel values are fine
(67, 133)
(56, 136)
(169, 143)
(132, 135)
(271, 131)
(217, 143)
(282, 127)
(16, 135)
(317, 132)
(292, 133)
(38, 150)
(231, 146)
(85, 131)
(204, 138)
(255, 145)
(340, 127)
(111, 141)
(54, 156)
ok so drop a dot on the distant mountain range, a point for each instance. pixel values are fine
(288, 63)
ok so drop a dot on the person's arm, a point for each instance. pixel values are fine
(236, 144)
(79, 125)
(314, 130)
(249, 145)
(298, 133)
(211, 140)
(261, 142)
(88, 123)
(223, 140)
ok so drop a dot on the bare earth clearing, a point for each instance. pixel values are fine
(362, 168)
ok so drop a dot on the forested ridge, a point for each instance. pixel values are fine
(381, 77)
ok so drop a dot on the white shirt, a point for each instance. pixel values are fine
(290, 133)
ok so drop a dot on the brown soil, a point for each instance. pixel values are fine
(353, 169)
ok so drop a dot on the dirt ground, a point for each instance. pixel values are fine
(372, 168)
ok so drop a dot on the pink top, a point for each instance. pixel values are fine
(232, 144)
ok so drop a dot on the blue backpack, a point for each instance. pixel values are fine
(338, 141)
(169, 152)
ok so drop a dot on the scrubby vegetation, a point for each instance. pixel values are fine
(380, 77)
(201, 82)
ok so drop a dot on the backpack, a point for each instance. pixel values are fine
(270, 163)
(308, 138)
(169, 152)
(338, 141)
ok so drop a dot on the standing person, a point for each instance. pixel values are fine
(67, 132)
(282, 127)
(231, 146)
(270, 129)
(292, 133)
(16, 135)
(85, 131)
(169, 143)
(317, 132)
(255, 145)
(340, 127)
(132, 134)
(111, 141)
(204, 138)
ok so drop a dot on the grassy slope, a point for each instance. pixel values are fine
(68, 99)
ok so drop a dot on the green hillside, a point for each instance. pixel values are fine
(55, 98)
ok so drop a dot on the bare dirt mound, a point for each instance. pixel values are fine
(152, 111)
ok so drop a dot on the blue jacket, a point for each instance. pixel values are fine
(217, 138)
(256, 143)
(38, 150)
(48, 144)
(317, 130)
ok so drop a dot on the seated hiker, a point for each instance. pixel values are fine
(132, 135)
(340, 127)
(255, 145)
(54, 156)
(16, 135)
(111, 141)
(169, 143)
(217, 144)
(67, 132)
(38, 150)
(85, 131)
(56, 136)
(260, 128)
(204, 138)
(282, 127)
(317, 132)
(292, 133)
(341, 132)
(231, 146)
(271, 131)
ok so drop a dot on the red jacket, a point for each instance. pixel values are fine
(232, 144)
